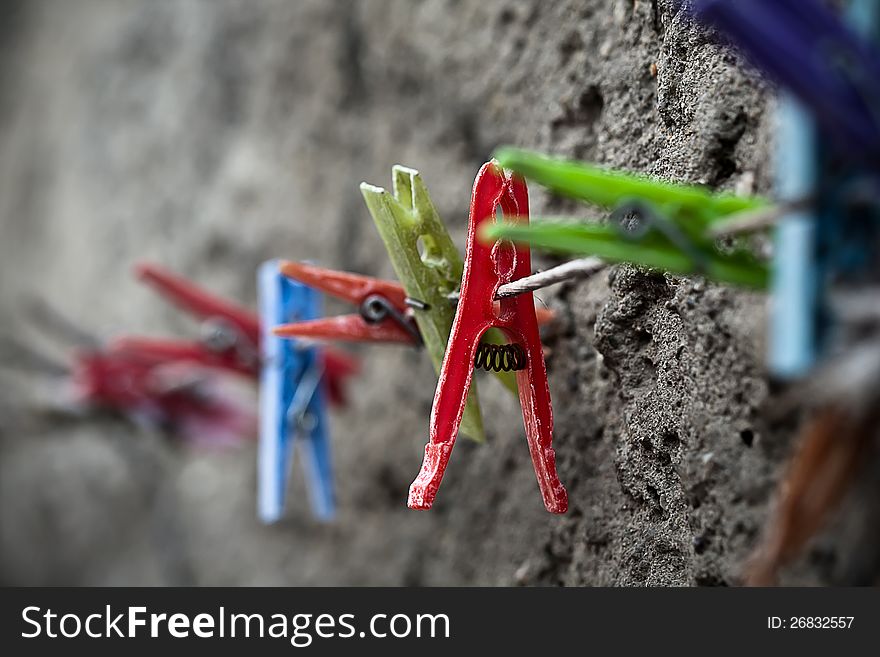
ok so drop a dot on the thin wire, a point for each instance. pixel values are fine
(753, 221)
(572, 270)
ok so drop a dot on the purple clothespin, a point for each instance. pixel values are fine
(809, 50)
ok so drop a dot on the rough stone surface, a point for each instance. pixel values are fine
(209, 135)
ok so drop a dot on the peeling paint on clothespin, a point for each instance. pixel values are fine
(291, 399)
(428, 265)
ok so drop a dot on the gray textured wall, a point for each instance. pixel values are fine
(211, 135)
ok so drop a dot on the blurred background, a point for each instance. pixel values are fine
(210, 135)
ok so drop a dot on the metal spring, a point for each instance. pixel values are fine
(500, 357)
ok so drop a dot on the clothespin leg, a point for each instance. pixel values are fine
(274, 452)
(534, 397)
(317, 461)
(456, 374)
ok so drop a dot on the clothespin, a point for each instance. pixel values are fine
(165, 384)
(486, 268)
(162, 389)
(171, 350)
(232, 333)
(795, 285)
(428, 265)
(654, 223)
(828, 151)
(291, 399)
(417, 312)
(804, 46)
(232, 329)
(383, 312)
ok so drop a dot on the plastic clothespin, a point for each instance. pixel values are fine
(383, 312)
(654, 223)
(170, 350)
(233, 332)
(692, 208)
(794, 287)
(486, 268)
(233, 329)
(806, 47)
(429, 266)
(162, 390)
(291, 399)
(168, 384)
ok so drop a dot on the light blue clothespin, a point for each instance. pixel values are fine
(795, 281)
(292, 409)
(823, 241)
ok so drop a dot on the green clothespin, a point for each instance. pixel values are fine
(429, 267)
(678, 241)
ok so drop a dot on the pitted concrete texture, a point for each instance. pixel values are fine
(209, 136)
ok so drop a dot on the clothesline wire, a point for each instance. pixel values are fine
(572, 270)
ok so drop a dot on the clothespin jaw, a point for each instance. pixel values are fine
(198, 302)
(191, 351)
(233, 331)
(691, 207)
(488, 266)
(383, 312)
(291, 399)
(428, 265)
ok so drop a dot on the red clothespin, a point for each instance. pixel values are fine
(196, 301)
(173, 384)
(383, 308)
(110, 380)
(236, 345)
(192, 351)
(486, 268)
(163, 390)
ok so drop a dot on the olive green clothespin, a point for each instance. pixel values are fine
(429, 267)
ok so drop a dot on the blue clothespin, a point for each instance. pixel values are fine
(827, 160)
(292, 408)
